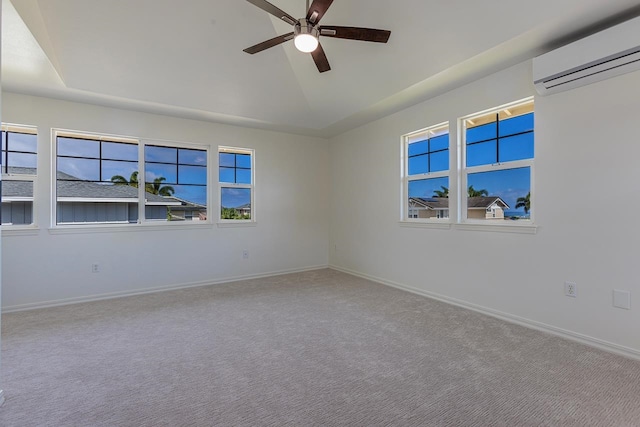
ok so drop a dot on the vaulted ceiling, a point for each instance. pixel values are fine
(185, 58)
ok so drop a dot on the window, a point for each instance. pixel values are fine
(426, 173)
(236, 180)
(498, 153)
(175, 183)
(101, 179)
(19, 171)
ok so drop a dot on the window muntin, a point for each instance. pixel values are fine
(426, 174)
(18, 163)
(236, 183)
(498, 157)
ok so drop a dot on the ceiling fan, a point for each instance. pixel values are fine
(306, 31)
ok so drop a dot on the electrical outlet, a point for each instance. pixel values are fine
(570, 289)
(245, 254)
(95, 268)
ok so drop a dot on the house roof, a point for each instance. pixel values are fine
(485, 202)
(439, 203)
(70, 187)
(435, 203)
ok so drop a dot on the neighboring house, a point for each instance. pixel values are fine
(91, 202)
(433, 207)
(187, 211)
(238, 212)
(491, 207)
(244, 210)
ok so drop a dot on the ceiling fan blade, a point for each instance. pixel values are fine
(275, 11)
(317, 10)
(355, 33)
(320, 59)
(269, 43)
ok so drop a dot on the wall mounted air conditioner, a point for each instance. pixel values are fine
(608, 53)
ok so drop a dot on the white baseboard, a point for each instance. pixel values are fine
(111, 295)
(532, 324)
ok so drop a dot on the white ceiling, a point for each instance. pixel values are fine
(185, 58)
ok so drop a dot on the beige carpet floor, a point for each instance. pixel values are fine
(319, 348)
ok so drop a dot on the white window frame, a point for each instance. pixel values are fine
(406, 210)
(142, 223)
(32, 130)
(464, 171)
(252, 186)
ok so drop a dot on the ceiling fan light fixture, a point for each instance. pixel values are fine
(305, 36)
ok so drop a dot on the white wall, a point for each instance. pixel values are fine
(587, 201)
(292, 196)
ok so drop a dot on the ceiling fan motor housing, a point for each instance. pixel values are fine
(305, 27)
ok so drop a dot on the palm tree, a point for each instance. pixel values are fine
(441, 193)
(156, 187)
(524, 202)
(121, 180)
(477, 193)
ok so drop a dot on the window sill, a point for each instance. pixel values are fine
(424, 224)
(236, 224)
(501, 228)
(12, 230)
(113, 228)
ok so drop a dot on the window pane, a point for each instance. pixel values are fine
(227, 175)
(4, 140)
(515, 125)
(243, 176)
(78, 147)
(418, 164)
(439, 161)
(160, 154)
(22, 142)
(119, 151)
(154, 171)
(439, 142)
(227, 160)
(81, 169)
(481, 133)
(17, 202)
(243, 161)
(483, 153)
(517, 147)
(235, 203)
(177, 203)
(192, 157)
(22, 160)
(192, 175)
(420, 147)
(428, 198)
(112, 169)
(502, 194)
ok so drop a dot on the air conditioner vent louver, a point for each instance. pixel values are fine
(603, 55)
